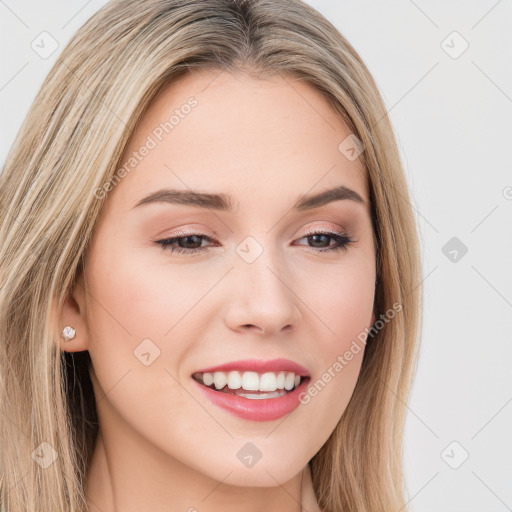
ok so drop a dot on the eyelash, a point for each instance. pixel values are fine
(342, 242)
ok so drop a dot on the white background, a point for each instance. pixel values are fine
(452, 120)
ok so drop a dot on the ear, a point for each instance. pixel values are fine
(73, 314)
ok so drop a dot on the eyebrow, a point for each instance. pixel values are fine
(222, 202)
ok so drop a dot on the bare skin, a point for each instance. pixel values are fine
(162, 445)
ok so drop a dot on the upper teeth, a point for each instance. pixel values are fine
(250, 381)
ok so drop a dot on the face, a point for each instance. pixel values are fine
(176, 285)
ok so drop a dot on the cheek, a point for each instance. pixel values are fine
(138, 296)
(135, 366)
(141, 316)
(342, 301)
(340, 298)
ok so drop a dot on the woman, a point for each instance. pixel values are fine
(209, 270)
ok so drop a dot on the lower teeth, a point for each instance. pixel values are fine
(259, 396)
(253, 395)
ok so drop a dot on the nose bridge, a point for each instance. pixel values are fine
(261, 294)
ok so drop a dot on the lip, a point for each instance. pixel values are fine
(266, 409)
(259, 366)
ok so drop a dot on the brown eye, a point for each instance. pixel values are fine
(186, 244)
(342, 241)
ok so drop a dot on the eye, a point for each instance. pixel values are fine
(342, 241)
(191, 242)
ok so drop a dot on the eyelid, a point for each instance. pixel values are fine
(325, 226)
(189, 232)
(320, 229)
(201, 232)
(193, 229)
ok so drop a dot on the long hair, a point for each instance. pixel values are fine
(71, 143)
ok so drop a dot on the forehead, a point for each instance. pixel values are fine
(253, 139)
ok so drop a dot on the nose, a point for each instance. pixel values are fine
(261, 297)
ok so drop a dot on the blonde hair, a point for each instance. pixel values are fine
(71, 143)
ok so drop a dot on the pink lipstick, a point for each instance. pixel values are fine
(254, 389)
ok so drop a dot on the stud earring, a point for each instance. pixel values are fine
(68, 333)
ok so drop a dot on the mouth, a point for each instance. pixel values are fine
(250, 384)
(255, 394)
(254, 379)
